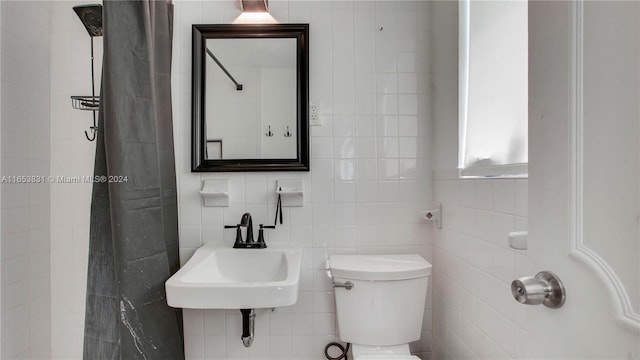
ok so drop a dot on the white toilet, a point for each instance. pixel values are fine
(382, 311)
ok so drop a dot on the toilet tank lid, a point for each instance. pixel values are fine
(379, 267)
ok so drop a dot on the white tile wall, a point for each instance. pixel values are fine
(25, 122)
(474, 315)
(369, 181)
(369, 178)
(71, 155)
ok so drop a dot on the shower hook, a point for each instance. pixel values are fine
(93, 130)
(93, 134)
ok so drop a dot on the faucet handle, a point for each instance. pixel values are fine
(238, 243)
(260, 243)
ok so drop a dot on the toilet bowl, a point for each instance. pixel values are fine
(380, 303)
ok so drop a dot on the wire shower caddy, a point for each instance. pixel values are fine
(91, 17)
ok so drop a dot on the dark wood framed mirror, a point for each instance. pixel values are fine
(250, 95)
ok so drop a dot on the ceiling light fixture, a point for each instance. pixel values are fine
(254, 12)
(254, 5)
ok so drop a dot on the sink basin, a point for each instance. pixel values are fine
(219, 277)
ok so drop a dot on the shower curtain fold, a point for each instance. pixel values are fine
(133, 246)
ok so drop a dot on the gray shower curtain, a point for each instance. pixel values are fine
(133, 248)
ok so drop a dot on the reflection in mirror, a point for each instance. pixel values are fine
(250, 97)
(253, 83)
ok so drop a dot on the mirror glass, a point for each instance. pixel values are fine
(250, 95)
(253, 82)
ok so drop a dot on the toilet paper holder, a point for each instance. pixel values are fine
(434, 215)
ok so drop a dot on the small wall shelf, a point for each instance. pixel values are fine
(518, 240)
(291, 192)
(215, 192)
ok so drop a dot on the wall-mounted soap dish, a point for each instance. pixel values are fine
(291, 191)
(215, 192)
(518, 240)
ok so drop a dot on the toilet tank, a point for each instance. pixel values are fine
(386, 304)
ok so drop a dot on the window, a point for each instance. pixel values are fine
(493, 93)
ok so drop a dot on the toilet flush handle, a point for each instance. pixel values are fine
(347, 285)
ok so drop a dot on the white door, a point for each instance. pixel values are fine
(583, 177)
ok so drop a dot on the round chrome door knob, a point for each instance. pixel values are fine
(545, 288)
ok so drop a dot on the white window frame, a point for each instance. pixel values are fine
(484, 167)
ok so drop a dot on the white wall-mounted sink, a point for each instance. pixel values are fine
(219, 277)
